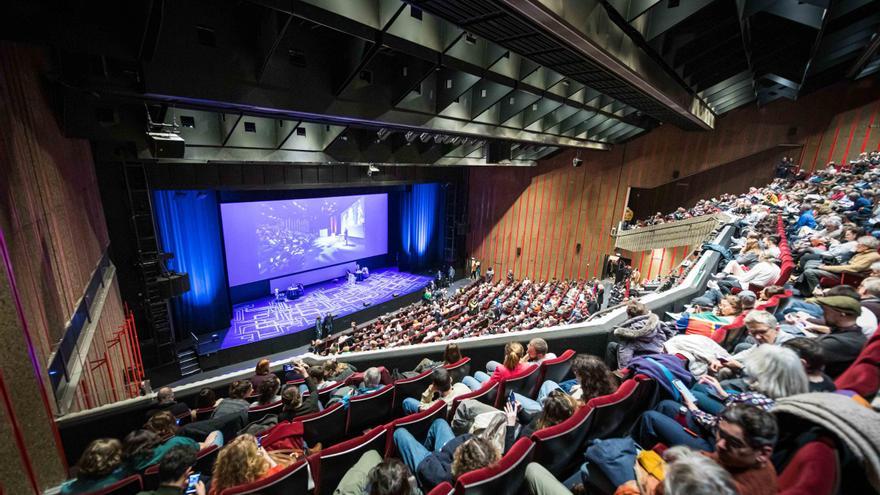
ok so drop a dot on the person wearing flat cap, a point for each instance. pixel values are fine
(844, 342)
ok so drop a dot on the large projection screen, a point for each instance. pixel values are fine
(269, 239)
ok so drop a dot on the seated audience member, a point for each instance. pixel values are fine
(267, 392)
(537, 352)
(513, 355)
(441, 388)
(642, 333)
(239, 463)
(294, 403)
(99, 466)
(164, 425)
(452, 354)
(261, 374)
(444, 456)
(206, 399)
(860, 263)
(845, 339)
(556, 408)
(761, 328)
(814, 363)
(372, 382)
(592, 379)
(764, 272)
(701, 322)
(175, 467)
(869, 290)
(774, 372)
(235, 403)
(373, 476)
(165, 402)
(691, 473)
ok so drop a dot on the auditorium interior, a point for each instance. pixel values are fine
(404, 247)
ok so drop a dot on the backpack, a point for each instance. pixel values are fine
(258, 427)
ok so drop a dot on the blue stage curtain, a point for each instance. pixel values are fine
(422, 221)
(189, 227)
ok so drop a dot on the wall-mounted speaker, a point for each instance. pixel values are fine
(577, 248)
(518, 251)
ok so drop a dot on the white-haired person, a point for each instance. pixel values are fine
(371, 383)
(865, 255)
(772, 372)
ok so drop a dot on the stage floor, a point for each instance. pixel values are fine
(264, 319)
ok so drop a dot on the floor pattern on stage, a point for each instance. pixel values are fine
(265, 319)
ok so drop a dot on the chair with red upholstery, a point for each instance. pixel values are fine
(505, 477)
(845, 278)
(292, 479)
(259, 412)
(126, 486)
(556, 369)
(523, 383)
(330, 465)
(410, 387)
(204, 413)
(485, 394)
(560, 448)
(814, 470)
(204, 464)
(616, 414)
(442, 489)
(863, 375)
(417, 424)
(325, 427)
(368, 410)
(325, 393)
(719, 334)
(459, 369)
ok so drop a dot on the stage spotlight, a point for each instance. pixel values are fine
(410, 136)
(425, 137)
(382, 134)
(576, 162)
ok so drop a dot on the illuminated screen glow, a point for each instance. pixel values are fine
(269, 239)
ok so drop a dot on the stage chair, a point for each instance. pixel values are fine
(258, 413)
(417, 424)
(486, 394)
(459, 369)
(556, 369)
(330, 465)
(524, 383)
(410, 387)
(325, 427)
(368, 410)
(127, 486)
(292, 479)
(507, 476)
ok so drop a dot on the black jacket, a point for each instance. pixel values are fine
(307, 406)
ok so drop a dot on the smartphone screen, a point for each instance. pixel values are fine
(287, 367)
(684, 391)
(193, 481)
(511, 398)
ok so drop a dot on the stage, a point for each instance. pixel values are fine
(265, 326)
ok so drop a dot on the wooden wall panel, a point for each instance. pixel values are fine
(547, 210)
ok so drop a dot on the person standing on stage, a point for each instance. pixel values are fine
(490, 274)
(479, 266)
(451, 273)
(319, 327)
(328, 324)
(510, 276)
(474, 268)
(346, 237)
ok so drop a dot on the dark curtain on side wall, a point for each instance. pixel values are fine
(421, 226)
(189, 227)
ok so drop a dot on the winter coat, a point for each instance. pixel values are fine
(643, 334)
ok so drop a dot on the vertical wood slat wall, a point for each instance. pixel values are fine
(545, 211)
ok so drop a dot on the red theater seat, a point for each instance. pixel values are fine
(325, 427)
(556, 369)
(505, 477)
(442, 489)
(863, 376)
(410, 387)
(204, 464)
(368, 410)
(126, 486)
(417, 424)
(524, 383)
(204, 413)
(292, 479)
(259, 412)
(459, 369)
(560, 448)
(814, 470)
(616, 414)
(330, 465)
(486, 394)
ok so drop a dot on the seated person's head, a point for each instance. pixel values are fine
(240, 389)
(316, 373)
(268, 390)
(513, 353)
(840, 306)
(745, 437)
(475, 453)
(537, 348)
(770, 291)
(176, 466)
(165, 395)
(870, 287)
(747, 300)
(775, 372)
(440, 380)
(558, 406)
(810, 352)
(729, 305)
(762, 326)
(162, 423)
(372, 377)
(593, 376)
(138, 445)
(262, 367)
(452, 354)
(867, 243)
(690, 473)
(238, 463)
(291, 398)
(635, 308)
(100, 459)
(206, 398)
(391, 477)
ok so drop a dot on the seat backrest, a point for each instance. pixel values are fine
(863, 375)
(410, 387)
(442, 489)
(615, 414)
(292, 479)
(126, 486)
(560, 448)
(523, 383)
(507, 476)
(258, 413)
(325, 393)
(459, 369)
(330, 465)
(814, 470)
(204, 413)
(205, 459)
(368, 410)
(417, 424)
(485, 394)
(556, 369)
(325, 427)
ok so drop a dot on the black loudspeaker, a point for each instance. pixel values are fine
(676, 174)
(165, 145)
(518, 251)
(173, 285)
(577, 248)
(497, 151)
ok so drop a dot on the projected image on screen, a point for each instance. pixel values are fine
(267, 239)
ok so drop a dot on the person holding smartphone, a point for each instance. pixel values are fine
(176, 476)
